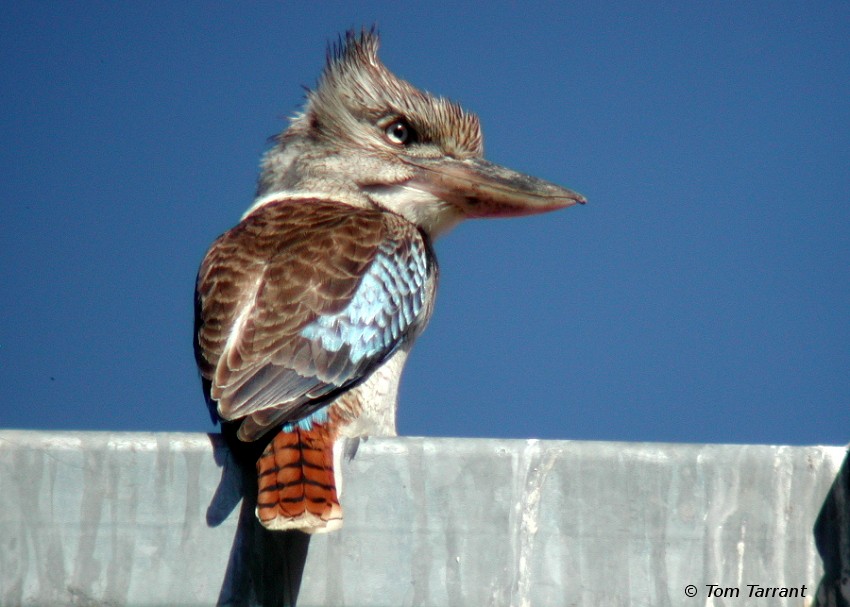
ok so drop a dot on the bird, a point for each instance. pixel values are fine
(306, 310)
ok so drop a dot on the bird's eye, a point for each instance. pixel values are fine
(400, 133)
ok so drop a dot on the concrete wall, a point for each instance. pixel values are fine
(156, 519)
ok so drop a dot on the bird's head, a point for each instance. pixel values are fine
(370, 138)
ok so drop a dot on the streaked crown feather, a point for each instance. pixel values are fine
(356, 88)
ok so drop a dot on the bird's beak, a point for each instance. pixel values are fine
(480, 188)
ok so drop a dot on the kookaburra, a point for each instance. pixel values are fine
(307, 309)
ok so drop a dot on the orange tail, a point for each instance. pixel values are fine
(296, 482)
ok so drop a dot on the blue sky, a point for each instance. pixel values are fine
(702, 294)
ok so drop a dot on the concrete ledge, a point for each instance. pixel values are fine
(155, 519)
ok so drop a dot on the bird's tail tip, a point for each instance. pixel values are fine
(305, 522)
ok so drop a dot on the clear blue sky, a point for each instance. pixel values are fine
(701, 296)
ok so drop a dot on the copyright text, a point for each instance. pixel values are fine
(754, 591)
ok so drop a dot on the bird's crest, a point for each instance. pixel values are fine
(356, 89)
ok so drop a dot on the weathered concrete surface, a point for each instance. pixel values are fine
(153, 519)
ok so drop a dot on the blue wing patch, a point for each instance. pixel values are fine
(386, 303)
(317, 417)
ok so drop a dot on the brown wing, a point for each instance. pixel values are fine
(302, 299)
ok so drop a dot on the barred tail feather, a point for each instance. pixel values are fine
(296, 481)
